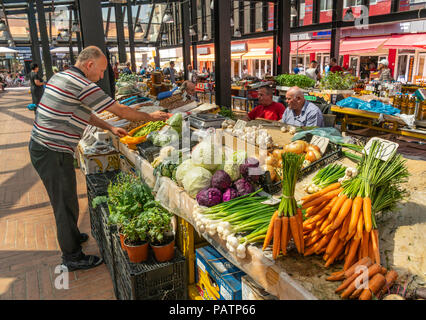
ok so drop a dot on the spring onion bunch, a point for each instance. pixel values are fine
(240, 221)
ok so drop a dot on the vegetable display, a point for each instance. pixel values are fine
(195, 180)
(291, 80)
(240, 221)
(139, 134)
(337, 81)
(353, 285)
(326, 176)
(286, 222)
(341, 220)
(151, 126)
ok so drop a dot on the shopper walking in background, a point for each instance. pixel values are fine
(170, 72)
(37, 83)
(127, 69)
(313, 72)
(68, 105)
(334, 67)
(385, 71)
(116, 72)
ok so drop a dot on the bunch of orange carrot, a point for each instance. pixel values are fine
(341, 222)
(364, 280)
(287, 221)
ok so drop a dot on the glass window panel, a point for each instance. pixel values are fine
(326, 7)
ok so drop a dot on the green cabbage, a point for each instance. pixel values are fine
(183, 169)
(196, 180)
(207, 155)
(233, 169)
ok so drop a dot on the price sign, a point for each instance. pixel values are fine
(272, 201)
(321, 142)
(388, 147)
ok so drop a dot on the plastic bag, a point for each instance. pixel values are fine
(331, 133)
(372, 106)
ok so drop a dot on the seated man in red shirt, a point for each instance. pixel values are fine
(267, 108)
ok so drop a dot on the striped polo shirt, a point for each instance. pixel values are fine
(64, 110)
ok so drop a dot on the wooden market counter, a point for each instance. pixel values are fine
(366, 119)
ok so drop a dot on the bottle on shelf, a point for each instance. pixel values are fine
(404, 103)
(411, 104)
(397, 101)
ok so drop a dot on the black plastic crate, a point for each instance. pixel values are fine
(149, 280)
(332, 154)
(97, 183)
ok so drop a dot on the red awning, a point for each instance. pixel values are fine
(356, 45)
(406, 41)
(317, 46)
(293, 46)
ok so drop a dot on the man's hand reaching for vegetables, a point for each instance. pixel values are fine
(120, 132)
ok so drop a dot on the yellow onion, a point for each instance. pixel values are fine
(271, 160)
(297, 147)
(313, 155)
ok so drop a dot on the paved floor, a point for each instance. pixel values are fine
(29, 251)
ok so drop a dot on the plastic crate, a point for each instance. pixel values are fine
(149, 280)
(332, 154)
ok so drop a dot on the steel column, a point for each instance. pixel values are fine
(71, 51)
(222, 49)
(32, 24)
(195, 27)
(252, 17)
(186, 50)
(241, 16)
(78, 34)
(283, 40)
(275, 42)
(395, 5)
(335, 30)
(316, 11)
(47, 59)
(121, 40)
(131, 35)
(92, 29)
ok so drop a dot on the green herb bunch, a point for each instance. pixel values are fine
(291, 80)
(337, 81)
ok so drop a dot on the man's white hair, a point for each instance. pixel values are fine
(90, 53)
(296, 92)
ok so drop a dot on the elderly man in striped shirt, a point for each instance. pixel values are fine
(69, 104)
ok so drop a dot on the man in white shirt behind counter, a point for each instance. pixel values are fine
(299, 112)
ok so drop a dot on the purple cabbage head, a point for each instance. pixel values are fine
(243, 187)
(229, 194)
(250, 170)
(209, 197)
(221, 180)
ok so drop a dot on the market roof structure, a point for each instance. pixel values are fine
(161, 24)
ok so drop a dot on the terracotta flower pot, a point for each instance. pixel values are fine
(137, 253)
(164, 252)
(122, 237)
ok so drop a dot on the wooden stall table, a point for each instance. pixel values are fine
(366, 119)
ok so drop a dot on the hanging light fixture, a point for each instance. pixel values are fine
(75, 27)
(349, 15)
(138, 28)
(206, 37)
(212, 5)
(168, 17)
(232, 22)
(192, 31)
(164, 37)
(237, 33)
(10, 43)
(3, 26)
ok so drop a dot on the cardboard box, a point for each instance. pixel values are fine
(252, 291)
(90, 163)
(216, 277)
(126, 165)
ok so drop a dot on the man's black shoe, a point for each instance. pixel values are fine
(86, 262)
(84, 237)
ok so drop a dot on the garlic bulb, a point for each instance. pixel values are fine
(241, 251)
